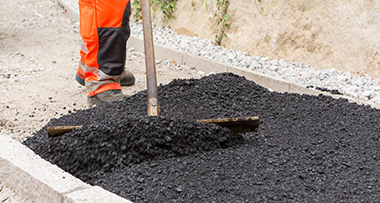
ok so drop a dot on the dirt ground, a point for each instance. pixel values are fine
(39, 53)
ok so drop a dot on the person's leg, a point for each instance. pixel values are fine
(104, 28)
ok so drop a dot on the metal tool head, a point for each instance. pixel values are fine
(239, 125)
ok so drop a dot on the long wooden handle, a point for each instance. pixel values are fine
(150, 63)
(240, 125)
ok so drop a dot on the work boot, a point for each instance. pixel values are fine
(105, 97)
(127, 80)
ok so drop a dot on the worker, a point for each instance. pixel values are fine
(104, 29)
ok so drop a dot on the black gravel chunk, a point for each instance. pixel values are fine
(308, 148)
(323, 89)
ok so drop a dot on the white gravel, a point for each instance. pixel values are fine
(360, 87)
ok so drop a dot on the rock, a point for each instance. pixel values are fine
(254, 65)
(274, 68)
(375, 99)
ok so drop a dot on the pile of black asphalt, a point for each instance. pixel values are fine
(307, 149)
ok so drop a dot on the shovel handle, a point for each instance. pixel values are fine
(150, 63)
(239, 125)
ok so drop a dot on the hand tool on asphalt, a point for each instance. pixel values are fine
(240, 125)
(246, 124)
(150, 63)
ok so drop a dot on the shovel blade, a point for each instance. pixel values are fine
(239, 125)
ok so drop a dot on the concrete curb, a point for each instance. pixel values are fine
(33, 179)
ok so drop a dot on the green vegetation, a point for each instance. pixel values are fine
(223, 16)
(167, 7)
(137, 5)
(260, 8)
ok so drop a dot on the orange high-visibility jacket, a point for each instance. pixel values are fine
(104, 29)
